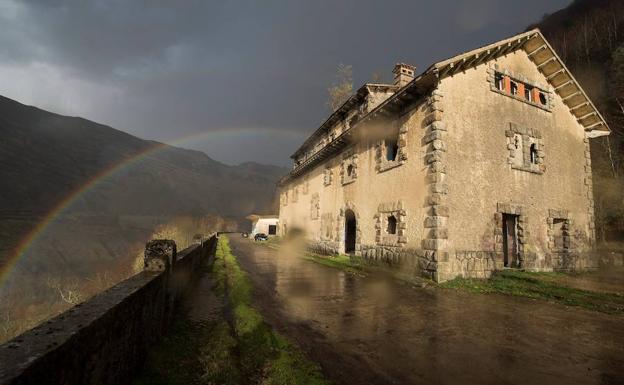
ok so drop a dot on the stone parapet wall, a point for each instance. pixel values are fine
(105, 339)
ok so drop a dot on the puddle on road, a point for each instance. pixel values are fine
(375, 330)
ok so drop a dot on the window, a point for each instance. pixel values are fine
(392, 225)
(348, 167)
(558, 225)
(315, 207)
(526, 149)
(518, 154)
(528, 93)
(350, 170)
(327, 176)
(518, 89)
(392, 148)
(499, 81)
(533, 153)
(514, 88)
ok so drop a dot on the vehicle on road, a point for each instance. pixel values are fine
(261, 237)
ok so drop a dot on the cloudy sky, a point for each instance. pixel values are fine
(240, 80)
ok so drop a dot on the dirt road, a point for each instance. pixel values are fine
(371, 330)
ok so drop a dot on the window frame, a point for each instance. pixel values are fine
(504, 82)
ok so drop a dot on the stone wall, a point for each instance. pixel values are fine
(104, 340)
(506, 156)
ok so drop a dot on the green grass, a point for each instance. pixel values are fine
(342, 262)
(241, 349)
(265, 356)
(193, 353)
(273, 242)
(540, 286)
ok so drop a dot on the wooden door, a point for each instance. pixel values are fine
(510, 240)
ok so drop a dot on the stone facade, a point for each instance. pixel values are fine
(441, 178)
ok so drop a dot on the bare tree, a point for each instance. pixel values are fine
(377, 77)
(340, 91)
(69, 291)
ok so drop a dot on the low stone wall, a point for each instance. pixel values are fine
(105, 339)
(477, 264)
(324, 247)
(414, 260)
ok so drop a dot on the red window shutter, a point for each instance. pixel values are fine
(507, 82)
(521, 89)
(536, 93)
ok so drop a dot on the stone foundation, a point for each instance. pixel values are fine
(324, 247)
(478, 264)
(388, 255)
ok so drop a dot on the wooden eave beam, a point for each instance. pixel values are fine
(564, 84)
(471, 61)
(556, 73)
(546, 62)
(490, 54)
(583, 104)
(599, 123)
(593, 113)
(572, 95)
(459, 66)
(536, 50)
(510, 47)
(446, 69)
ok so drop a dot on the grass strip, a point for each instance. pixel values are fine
(265, 356)
(342, 262)
(540, 286)
(238, 348)
(193, 353)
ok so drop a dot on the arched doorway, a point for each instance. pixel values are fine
(350, 231)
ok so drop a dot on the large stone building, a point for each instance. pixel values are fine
(479, 163)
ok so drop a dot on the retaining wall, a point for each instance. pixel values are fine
(105, 339)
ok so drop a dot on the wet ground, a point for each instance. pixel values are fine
(605, 281)
(372, 330)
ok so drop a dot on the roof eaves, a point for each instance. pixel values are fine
(343, 109)
(461, 62)
(331, 120)
(343, 139)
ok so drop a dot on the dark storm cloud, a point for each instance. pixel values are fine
(166, 69)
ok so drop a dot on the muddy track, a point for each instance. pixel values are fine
(372, 330)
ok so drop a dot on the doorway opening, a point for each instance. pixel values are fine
(272, 229)
(510, 241)
(350, 231)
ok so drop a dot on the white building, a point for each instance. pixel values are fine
(266, 224)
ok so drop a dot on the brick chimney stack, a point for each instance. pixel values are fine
(403, 74)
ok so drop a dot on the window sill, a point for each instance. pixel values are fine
(346, 182)
(386, 165)
(520, 99)
(533, 168)
(390, 240)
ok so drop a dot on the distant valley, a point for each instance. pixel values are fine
(134, 186)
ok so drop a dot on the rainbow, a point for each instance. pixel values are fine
(27, 241)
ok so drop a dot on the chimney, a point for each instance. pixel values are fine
(403, 74)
